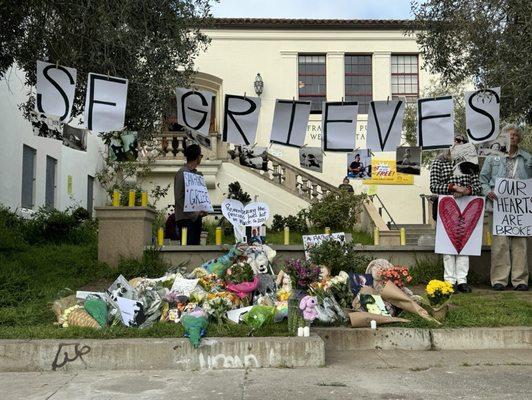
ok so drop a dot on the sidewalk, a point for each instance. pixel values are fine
(349, 375)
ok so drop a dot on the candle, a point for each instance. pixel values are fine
(160, 237)
(327, 230)
(131, 198)
(286, 235)
(116, 198)
(144, 199)
(373, 324)
(184, 232)
(376, 237)
(306, 331)
(403, 236)
(300, 331)
(218, 236)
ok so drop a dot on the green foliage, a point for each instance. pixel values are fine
(338, 210)
(296, 223)
(485, 39)
(338, 257)
(151, 43)
(47, 226)
(150, 265)
(235, 192)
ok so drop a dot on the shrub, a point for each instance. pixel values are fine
(337, 256)
(11, 237)
(338, 210)
(296, 223)
(150, 265)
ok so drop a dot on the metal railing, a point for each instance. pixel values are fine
(383, 207)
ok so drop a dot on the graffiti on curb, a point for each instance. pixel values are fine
(70, 352)
(223, 361)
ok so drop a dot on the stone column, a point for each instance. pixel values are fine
(335, 76)
(123, 232)
(382, 75)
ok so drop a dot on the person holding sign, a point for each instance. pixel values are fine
(190, 220)
(447, 178)
(508, 253)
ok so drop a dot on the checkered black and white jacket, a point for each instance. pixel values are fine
(441, 176)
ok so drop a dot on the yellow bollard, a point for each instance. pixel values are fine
(160, 237)
(327, 230)
(286, 235)
(116, 198)
(131, 198)
(489, 238)
(403, 236)
(184, 233)
(376, 236)
(218, 236)
(144, 199)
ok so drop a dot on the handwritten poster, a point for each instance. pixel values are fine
(310, 241)
(512, 210)
(253, 214)
(196, 194)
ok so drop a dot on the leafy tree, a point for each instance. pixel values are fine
(151, 43)
(489, 40)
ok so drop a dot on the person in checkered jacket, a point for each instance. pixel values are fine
(455, 172)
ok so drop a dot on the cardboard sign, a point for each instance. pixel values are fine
(196, 194)
(385, 124)
(310, 241)
(459, 225)
(512, 210)
(482, 109)
(253, 214)
(194, 109)
(55, 90)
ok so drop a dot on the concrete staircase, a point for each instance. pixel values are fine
(414, 232)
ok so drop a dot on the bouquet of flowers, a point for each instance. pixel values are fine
(217, 307)
(338, 286)
(438, 292)
(302, 273)
(241, 279)
(397, 274)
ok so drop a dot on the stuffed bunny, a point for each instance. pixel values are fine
(308, 305)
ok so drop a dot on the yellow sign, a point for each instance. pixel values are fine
(69, 184)
(384, 172)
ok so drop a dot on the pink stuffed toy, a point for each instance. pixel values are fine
(308, 305)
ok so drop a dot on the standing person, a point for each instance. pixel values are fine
(508, 254)
(443, 181)
(190, 220)
(346, 186)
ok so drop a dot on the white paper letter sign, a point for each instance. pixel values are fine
(482, 109)
(459, 225)
(385, 123)
(105, 103)
(338, 125)
(196, 194)
(241, 117)
(194, 109)
(55, 90)
(435, 124)
(290, 120)
(512, 211)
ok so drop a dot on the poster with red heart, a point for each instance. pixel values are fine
(459, 225)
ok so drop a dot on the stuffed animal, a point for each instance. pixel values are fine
(308, 305)
(219, 265)
(266, 286)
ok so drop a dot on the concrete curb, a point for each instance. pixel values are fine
(161, 354)
(426, 339)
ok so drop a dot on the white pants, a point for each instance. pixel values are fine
(455, 268)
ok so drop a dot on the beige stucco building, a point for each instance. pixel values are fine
(320, 60)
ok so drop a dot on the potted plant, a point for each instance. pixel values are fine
(438, 293)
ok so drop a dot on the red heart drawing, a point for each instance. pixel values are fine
(459, 225)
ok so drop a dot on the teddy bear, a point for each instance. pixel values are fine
(308, 306)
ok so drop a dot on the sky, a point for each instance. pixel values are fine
(322, 9)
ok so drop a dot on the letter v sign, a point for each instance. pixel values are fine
(387, 114)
